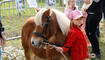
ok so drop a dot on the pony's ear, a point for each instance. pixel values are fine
(47, 11)
(37, 9)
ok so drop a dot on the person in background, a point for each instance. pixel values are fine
(104, 9)
(104, 13)
(79, 3)
(76, 39)
(84, 8)
(51, 2)
(2, 38)
(2, 35)
(94, 16)
(70, 6)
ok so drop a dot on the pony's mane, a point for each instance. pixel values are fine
(63, 21)
(38, 17)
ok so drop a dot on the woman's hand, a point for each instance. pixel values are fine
(59, 49)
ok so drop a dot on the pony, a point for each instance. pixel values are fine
(39, 34)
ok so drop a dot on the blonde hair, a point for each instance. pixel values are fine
(63, 22)
(67, 4)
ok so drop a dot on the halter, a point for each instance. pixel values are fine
(42, 35)
(46, 42)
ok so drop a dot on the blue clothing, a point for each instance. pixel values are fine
(79, 3)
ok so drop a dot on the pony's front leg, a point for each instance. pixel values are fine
(29, 54)
(51, 52)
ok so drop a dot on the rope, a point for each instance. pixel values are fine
(64, 55)
(53, 46)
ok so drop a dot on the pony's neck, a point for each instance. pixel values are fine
(63, 21)
(56, 30)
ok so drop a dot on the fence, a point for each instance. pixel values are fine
(13, 20)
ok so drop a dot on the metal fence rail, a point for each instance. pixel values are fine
(13, 20)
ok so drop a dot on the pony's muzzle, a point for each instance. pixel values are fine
(36, 43)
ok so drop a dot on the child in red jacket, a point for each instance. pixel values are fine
(76, 39)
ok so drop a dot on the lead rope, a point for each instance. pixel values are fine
(63, 55)
(53, 46)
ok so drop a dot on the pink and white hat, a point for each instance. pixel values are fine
(75, 14)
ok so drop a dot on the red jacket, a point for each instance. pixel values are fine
(76, 41)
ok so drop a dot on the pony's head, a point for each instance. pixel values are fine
(49, 25)
(42, 20)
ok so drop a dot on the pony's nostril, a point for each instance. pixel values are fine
(32, 42)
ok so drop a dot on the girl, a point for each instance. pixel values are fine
(70, 6)
(76, 39)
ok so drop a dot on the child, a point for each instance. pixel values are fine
(76, 39)
(70, 6)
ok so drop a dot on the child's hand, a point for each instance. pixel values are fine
(59, 49)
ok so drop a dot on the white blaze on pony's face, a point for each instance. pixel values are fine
(36, 40)
(40, 23)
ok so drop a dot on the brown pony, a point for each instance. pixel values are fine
(50, 27)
